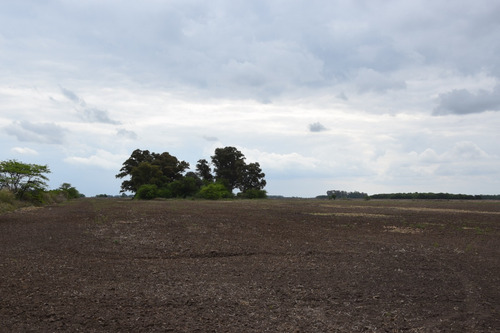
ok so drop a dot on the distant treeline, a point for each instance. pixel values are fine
(446, 196)
(336, 194)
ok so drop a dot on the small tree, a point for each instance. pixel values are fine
(20, 178)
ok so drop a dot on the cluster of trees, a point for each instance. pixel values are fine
(151, 175)
(336, 194)
(28, 182)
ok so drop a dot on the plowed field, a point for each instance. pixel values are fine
(112, 265)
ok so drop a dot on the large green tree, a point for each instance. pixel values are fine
(229, 163)
(144, 167)
(20, 178)
(252, 178)
(231, 170)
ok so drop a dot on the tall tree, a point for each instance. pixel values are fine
(137, 157)
(204, 171)
(228, 163)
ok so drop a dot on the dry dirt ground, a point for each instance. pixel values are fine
(110, 265)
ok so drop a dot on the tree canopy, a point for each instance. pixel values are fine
(162, 175)
(20, 178)
(144, 168)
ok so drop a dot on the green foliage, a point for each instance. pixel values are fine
(144, 167)
(252, 178)
(336, 194)
(253, 193)
(165, 172)
(69, 191)
(230, 168)
(214, 192)
(7, 201)
(21, 178)
(228, 163)
(7, 196)
(183, 188)
(147, 192)
(204, 171)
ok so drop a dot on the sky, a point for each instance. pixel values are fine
(370, 96)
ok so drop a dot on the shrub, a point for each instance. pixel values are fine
(253, 193)
(165, 192)
(7, 197)
(147, 192)
(7, 201)
(214, 192)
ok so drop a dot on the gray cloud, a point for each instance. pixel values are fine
(210, 138)
(464, 102)
(258, 49)
(88, 114)
(94, 115)
(71, 96)
(26, 131)
(317, 127)
(131, 135)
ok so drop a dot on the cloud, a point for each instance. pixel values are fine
(282, 162)
(26, 131)
(72, 96)
(342, 96)
(317, 127)
(94, 115)
(368, 80)
(463, 101)
(24, 151)
(131, 135)
(102, 159)
(210, 138)
(88, 114)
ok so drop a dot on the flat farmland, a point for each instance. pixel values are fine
(113, 265)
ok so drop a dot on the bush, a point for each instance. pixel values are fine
(165, 192)
(7, 201)
(253, 193)
(147, 192)
(183, 188)
(214, 192)
(7, 197)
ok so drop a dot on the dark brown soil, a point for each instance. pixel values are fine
(114, 265)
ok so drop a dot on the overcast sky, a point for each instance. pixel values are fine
(356, 95)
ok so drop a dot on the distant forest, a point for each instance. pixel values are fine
(336, 194)
(447, 196)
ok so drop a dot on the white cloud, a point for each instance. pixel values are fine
(24, 151)
(102, 159)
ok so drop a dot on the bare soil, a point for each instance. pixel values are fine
(110, 265)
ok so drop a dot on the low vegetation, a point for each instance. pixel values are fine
(23, 185)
